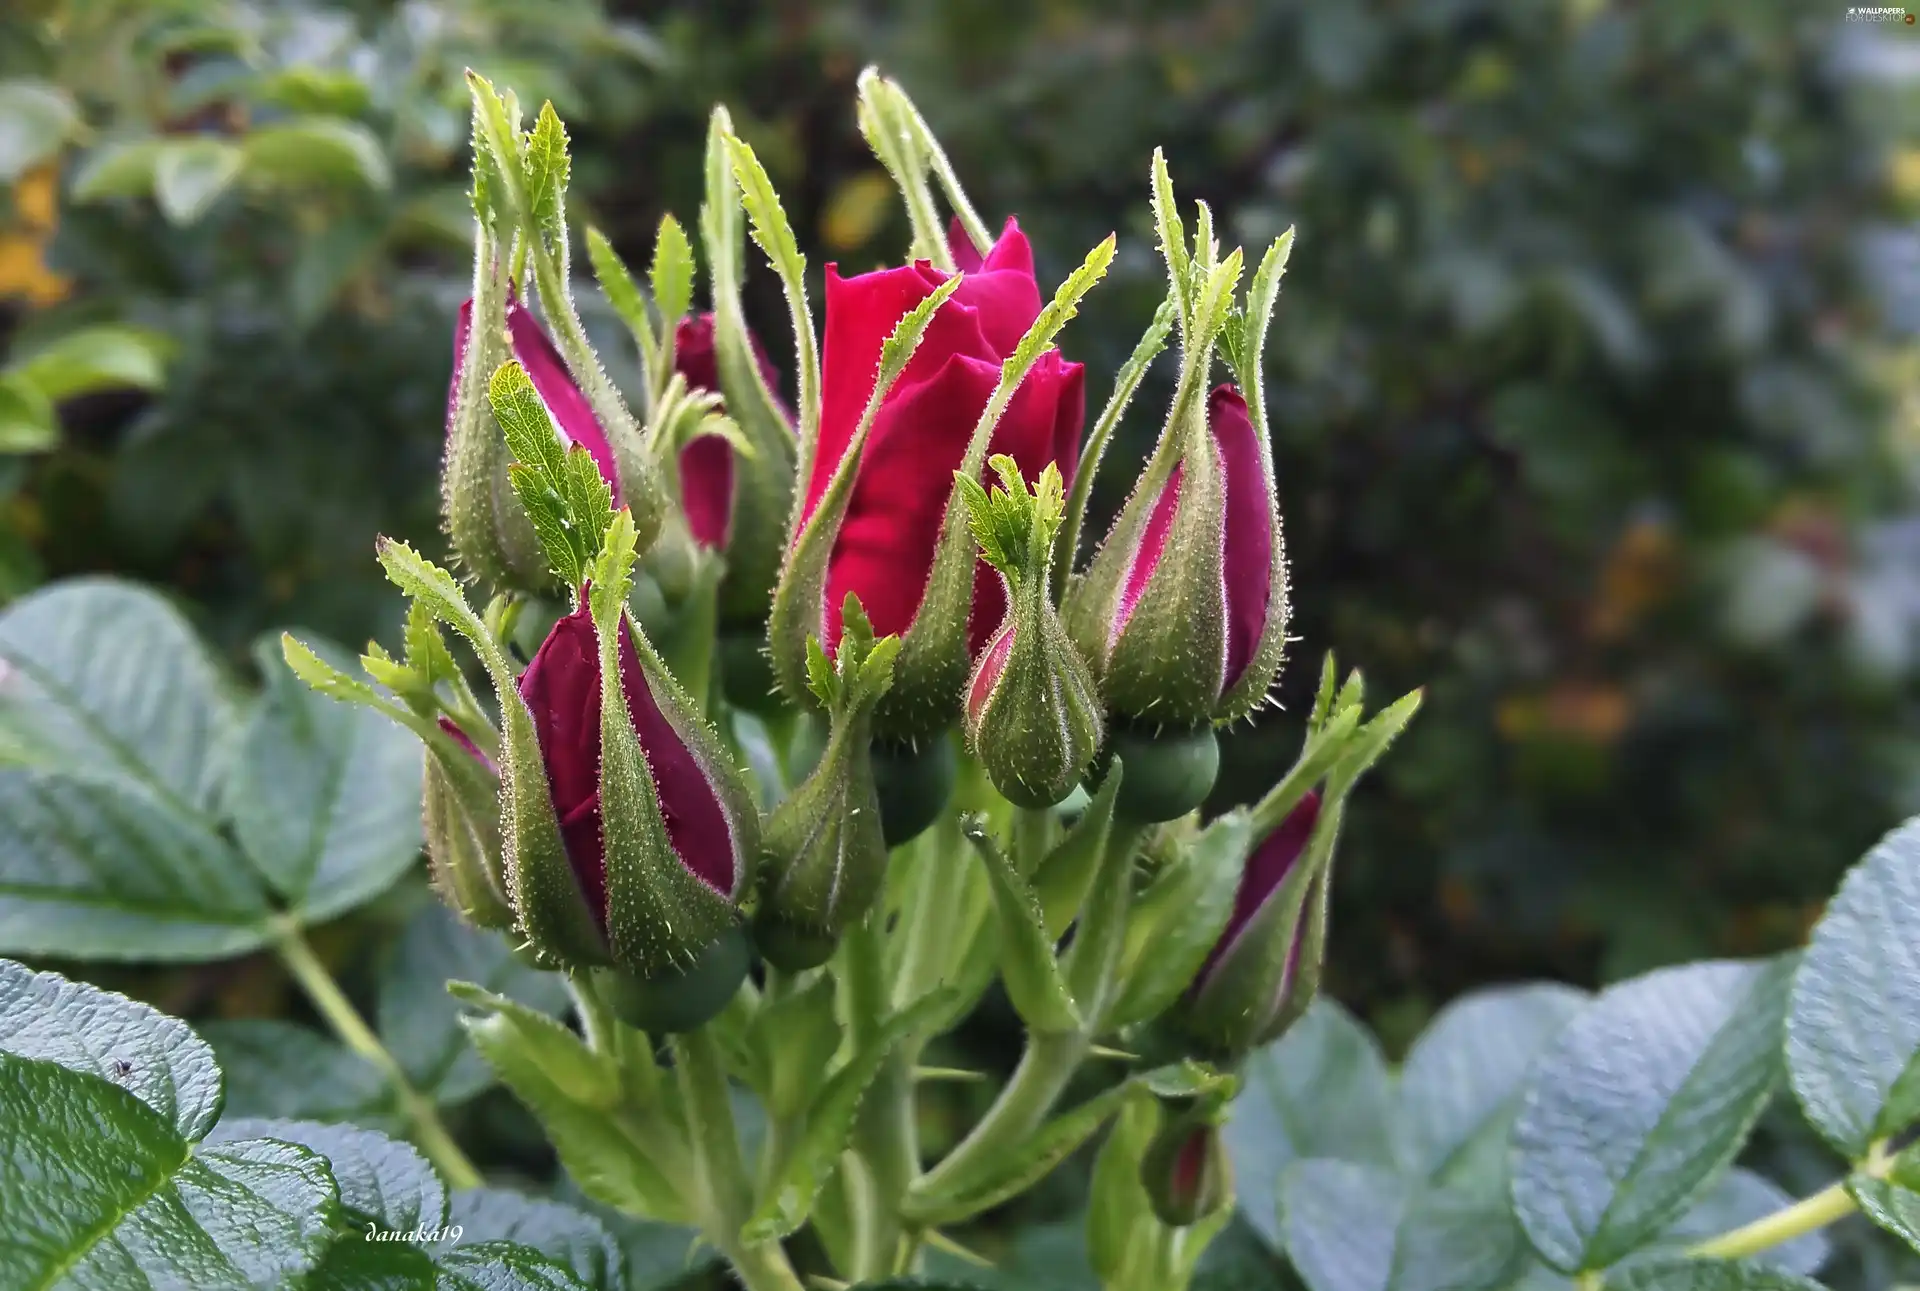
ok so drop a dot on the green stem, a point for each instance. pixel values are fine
(333, 1005)
(1823, 1208)
(722, 1195)
(886, 1136)
(1045, 1070)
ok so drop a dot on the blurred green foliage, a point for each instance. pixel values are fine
(1584, 376)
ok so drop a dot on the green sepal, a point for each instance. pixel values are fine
(1178, 918)
(1032, 715)
(934, 661)
(487, 527)
(825, 847)
(460, 808)
(1250, 334)
(763, 483)
(1027, 965)
(552, 914)
(798, 612)
(661, 916)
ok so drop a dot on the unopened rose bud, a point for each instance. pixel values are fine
(1185, 1172)
(1032, 716)
(825, 849)
(461, 808)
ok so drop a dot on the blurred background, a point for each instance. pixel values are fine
(1594, 372)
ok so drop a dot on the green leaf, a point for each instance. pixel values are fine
(101, 677)
(1177, 920)
(1352, 1227)
(547, 170)
(1032, 975)
(157, 1059)
(1705, 1275)
(104, 1185)
(502, 1266)
(1466, 1071)
(120, 169)
(1066, 872)
(420, 1022)
(671, 277)
(775, 237)
(1319, 1091)
(789, 1198)
(89, 359)
(190, 174)
(283, 1070)
(568, 1236)
(1889, 1205)
(616, 1156)
(1641, 1102)
(1853, 1027)
(617, 283)
(325, 796)
(315, 152)
(380, 1179)
(28, 423)
(106, 870)
(36, 119)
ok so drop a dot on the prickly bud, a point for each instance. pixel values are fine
(824, 852)
(1183, 611)
(1032, 717)
(461, 807)
(1185, 1172)
(644, 842)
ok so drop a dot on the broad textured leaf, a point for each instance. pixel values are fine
(1468, 1066)
(325, 796)
(1889, 1205)
(105, 678)
(657, 1255)
(157, 1059)
(101, 1191)
(104, 869)
(379, 1178)
(502, 1266)
(120, 169)
(1352, 1227)
(420, 1022)
(571, 1237)
(35, 119)
(28, 423)
(1853, 1028)
(291, 1072)
(1642, 1100)
(1319, 1091)
(1706, 1275)
(190, 174)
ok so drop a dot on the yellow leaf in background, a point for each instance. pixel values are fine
(857, 208)
(24, 272)
(36, 198)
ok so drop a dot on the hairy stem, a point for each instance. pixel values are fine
(886, 1136)
(1045, 1070)
(422, 1118)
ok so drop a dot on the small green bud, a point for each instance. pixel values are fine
(1169, 773)
(1032, 715)
(824, 852)
(1185, 1172)
(460, 799)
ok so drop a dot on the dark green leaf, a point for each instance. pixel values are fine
(91, 359)
(1706, 1275)
(190, 174)
(315, 153)
(122, 169)
(1853, 1028)
(1641, 1102)
(502, 1266)
(1352, 1227)
(27, 420)
(35, 119)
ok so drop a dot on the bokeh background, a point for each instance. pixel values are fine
(1593, 375)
